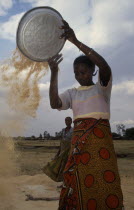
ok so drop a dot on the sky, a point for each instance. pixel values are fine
(105, 26)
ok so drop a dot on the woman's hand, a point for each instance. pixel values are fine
(54, 61)
(69, 33)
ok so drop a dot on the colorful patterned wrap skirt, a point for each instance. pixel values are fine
(91, 178)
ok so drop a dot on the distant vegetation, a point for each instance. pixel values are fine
(122, 133)
(41, 137)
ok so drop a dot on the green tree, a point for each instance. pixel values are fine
(129, 134)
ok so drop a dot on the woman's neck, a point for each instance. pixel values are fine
(89, 84)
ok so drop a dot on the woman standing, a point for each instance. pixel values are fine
(66, 135)
(54, 169)
(91, 178)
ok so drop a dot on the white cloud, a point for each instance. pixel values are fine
(122, 104)
(37, 3)
(125, 87)
(126, 122)
(8, 29)
(112, 22)
(4, 6)
(44, 86)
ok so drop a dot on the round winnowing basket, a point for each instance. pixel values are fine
(38, 33)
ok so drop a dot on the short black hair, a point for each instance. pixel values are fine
(84, 59)
(69, 118)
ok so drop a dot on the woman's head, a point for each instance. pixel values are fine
(84, 59)
(68, 121)
(84, 70)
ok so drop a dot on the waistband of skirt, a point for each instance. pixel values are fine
(90, 120)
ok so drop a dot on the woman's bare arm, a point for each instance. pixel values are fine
(98, 60)
(55, 101)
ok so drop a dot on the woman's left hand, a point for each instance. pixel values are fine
(68, 33)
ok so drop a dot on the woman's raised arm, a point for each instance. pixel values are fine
(98, 60)
(55, 101)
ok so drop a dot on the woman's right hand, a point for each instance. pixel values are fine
(54, 62)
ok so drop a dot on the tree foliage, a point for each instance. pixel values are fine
(129, 134)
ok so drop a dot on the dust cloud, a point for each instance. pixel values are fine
(20, 76)
(8, 169)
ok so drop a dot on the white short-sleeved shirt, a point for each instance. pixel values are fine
(88, 101)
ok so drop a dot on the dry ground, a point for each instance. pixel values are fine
(32, 180)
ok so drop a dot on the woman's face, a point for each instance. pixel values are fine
(68, 121)
(83, 74)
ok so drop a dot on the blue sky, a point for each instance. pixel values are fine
(106, 26)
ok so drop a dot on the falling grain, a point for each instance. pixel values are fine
(21, 76)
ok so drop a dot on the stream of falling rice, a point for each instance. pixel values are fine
(21, 76)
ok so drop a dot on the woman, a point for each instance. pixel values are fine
(54, 169)
(91, 178)
(67, 132)
(66, 136)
